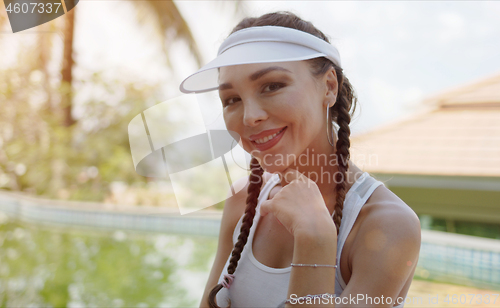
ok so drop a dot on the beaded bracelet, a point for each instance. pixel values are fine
(314, 265)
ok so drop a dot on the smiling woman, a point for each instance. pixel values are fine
(326, 229)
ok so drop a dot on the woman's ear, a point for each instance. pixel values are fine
(332, 86)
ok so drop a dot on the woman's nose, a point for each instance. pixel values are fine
(253, 113)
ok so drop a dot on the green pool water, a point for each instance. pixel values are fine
(51, 266)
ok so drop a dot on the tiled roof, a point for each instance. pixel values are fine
(460, 136)
(483, 92)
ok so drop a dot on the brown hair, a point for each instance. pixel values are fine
(339, 112)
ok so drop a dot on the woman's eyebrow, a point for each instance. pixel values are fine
(255, 76)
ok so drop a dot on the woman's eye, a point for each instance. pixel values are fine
(274, 86)
(230, 101)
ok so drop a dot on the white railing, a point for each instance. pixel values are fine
(461, 259)
(107, 216)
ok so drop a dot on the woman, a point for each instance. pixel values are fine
(308, 221)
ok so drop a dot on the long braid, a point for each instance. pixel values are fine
(254, 187)
(341, 112)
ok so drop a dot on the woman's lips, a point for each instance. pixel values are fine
(270, 143)
(265, 133)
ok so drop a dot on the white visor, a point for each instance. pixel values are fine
(259, 45)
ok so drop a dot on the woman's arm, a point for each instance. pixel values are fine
(317, 245)
(385, 253)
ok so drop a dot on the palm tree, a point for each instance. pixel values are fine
(67, 68)
(163, 14)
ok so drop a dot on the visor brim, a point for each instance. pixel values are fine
(206, 78)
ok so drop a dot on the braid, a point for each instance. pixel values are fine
(254, 187)
(341, 112)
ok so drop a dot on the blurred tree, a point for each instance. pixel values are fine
(39, 155)
(44, 149)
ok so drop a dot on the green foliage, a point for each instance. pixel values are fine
(41, 156)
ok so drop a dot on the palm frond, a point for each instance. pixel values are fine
(170, 22)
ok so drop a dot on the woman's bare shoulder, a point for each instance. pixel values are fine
(384, 202)
(386, 213)
(386, 245)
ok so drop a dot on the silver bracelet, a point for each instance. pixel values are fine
(309, 296)
(314, 265)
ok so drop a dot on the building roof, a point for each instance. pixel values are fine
(459, 136)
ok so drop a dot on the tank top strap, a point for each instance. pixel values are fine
(263, 195)
(266, 190)
(356, 197)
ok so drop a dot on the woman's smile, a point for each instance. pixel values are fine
(268, 142)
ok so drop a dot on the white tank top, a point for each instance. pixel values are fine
(257, 285)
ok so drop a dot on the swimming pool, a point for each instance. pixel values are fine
(69, 267)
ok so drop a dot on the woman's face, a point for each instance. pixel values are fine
(278, 109)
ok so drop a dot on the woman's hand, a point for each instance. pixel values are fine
(299, 206)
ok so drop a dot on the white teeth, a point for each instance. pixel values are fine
(266, 139)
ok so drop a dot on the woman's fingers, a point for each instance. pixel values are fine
(265, 208)
(297, 205)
